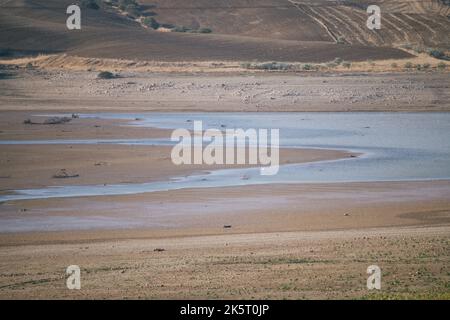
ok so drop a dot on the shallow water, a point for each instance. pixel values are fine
(395, 147)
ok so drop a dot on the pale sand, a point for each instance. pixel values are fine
(33, 166)
(12, 127)
(248, 209)
(286, 242)
(289, 265)
(74, 63)
(59, 91)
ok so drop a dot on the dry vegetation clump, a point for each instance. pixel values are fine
(63, 174)
(57, 120)
(268, 66)
(436, 53)
(90, 4)
(106, 75)
(139, 13)
(441, 66)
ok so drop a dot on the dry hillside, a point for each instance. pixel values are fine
(422, 22)
(241, 30)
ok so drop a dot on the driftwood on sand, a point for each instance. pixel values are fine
(63, 174)
(52, 120)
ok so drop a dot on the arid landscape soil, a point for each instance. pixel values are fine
(283, 241)
(260, 92)
(414, 21)
(298, 265)
(269, 30)
(32, 27)
(261, 241)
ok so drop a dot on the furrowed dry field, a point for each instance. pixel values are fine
(237, 30)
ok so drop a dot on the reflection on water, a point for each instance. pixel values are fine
(396, 146)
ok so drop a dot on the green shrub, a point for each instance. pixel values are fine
(123, 4)
(308, 67)
(151, 22)
(274, 66)
(89, 4)
(204, 30)
(394, 65)
(408, 65)
(426, 66)
(438, 54)
(267, 66)
(106, 75)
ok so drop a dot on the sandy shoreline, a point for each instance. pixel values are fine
(287, 241)
(248, 209)
(33, 166)
(65, 91)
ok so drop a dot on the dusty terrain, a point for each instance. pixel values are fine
(34, 166)
(263, 208)
(81, 91)
(32, 27)
(282, 241)
(414, 21)
(297, 265)
(241, 30)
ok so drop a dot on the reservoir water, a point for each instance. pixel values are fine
(394, 147)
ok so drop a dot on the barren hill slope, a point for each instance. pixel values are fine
(242, 30)
(277, 19)
(423, 22)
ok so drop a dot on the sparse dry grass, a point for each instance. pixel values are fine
(74, 63)
(327, 266)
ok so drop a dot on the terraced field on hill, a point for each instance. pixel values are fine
(422, 22)
(403, 22)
